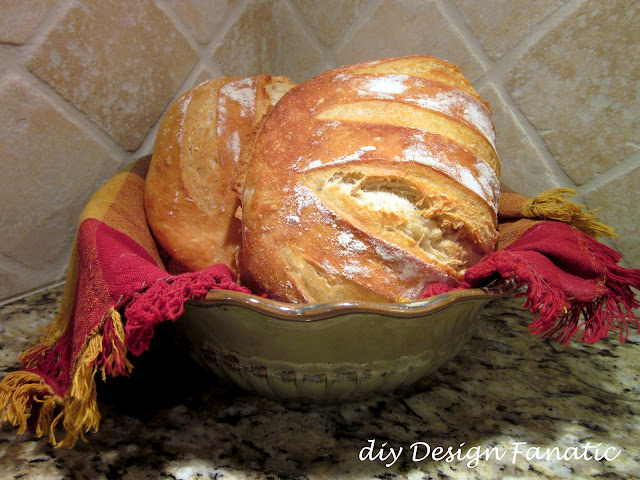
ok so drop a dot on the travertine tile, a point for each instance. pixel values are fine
(523, 168)
(249, 47)
(121, 81)
(298, 57)
(398, 28)
(202, 17)
(16, 279)
(49, 169)
(578, 86)
(18, 18)
(501, 24)
(329, 18)
(617, 203)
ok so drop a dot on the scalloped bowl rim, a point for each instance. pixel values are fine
(314, 312)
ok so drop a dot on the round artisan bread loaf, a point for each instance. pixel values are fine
(188, 198)
(369, 182)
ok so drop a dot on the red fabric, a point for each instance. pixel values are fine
(572, 282)
(123, 273)
(165, 300)
(118, 263)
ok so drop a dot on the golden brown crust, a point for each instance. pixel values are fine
(369, 182)
(189, 202)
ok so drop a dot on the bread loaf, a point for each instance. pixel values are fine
(188, 198)
(369, 182)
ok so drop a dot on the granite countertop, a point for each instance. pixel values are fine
(521, 400)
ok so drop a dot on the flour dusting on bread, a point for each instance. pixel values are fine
(369, 182)
(481, 179)
(243, 92)
(189, 201)
(386, 86)
(455, 102)
(357, 155)
(184, 107)
(349, 244)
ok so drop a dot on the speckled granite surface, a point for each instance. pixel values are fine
(507, 406)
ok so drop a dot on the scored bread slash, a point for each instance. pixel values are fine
(369, 182)
(189, 201)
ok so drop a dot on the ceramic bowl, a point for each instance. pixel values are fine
(327, 353)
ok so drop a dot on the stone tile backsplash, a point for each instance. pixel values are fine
(83, 84)
(118, 62)
(579, 86)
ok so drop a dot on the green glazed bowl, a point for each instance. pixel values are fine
(329, 353)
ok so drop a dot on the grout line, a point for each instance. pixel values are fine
(503, 65)
(302, 23)
(208, 51)
(147, 144)
(457, 19)
(621, 169)
(203, 50)
(177, 22)
(205, 61)
(509, 58)
(20, 56)
(494, 76)
(17, 268)
(71, 113)
(327, 59)
(354, 26)
(500, 70)
(52, 18)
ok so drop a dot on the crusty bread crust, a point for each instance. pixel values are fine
(369, 182)
(188, 199)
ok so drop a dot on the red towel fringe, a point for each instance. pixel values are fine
(164, 300)
(559, 316)
(35, 397)
(113, 358)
